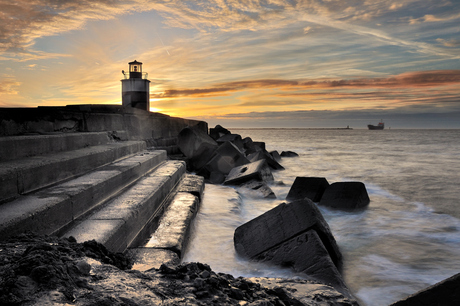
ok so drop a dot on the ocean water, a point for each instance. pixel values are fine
(407, 239)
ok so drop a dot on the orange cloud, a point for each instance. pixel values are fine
(404, 80)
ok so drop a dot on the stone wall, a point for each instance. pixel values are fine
(138, 124)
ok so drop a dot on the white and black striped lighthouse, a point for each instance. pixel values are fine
(135, 87)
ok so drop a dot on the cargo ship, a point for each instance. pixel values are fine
(379, 126)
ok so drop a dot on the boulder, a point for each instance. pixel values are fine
(276, 156)
(233, 138)
(258, 189)
(217, 132)
(282, 223)
(196, 145)
(345, 195)
(216, 177)
(258, 170)
(251, 146)
(306, 254)
(289, 154)
(307, 187)
(226, 157)
(445, 292)
(259, 155)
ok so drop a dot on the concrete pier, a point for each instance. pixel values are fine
(96, 172)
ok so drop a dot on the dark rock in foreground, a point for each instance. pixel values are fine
(346, 196)
(282, 223)
(45, 270)
(446, 293)
(293, 235)
(307, 187)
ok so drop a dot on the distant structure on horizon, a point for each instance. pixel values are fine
(135, 87)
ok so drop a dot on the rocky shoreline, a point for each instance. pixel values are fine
(46, 270)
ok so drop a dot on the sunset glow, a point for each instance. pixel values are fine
(284, 63)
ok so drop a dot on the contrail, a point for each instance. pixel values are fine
(162, 42)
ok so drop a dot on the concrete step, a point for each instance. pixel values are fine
(49, 209)
(25, 175)
(167, 242)
(16, 147)
(118, 222)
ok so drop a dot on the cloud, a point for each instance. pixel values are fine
(449, 43)
(405, 80)
(9, 86)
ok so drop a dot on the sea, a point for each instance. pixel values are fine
(407, 239)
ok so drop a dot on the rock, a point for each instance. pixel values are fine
(306, 254)
(217, 132)
(258, 170)
(258, 189)
(259, 155)
(276, 156)
(196, 145)
(444, 293)
(281, 224)
(233, 138)
(216, 177)
(289, 154)
(305, 291)
(251, 146)
(307, 187)
(345, 195)
(225, 158)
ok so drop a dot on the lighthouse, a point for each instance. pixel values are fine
(135, 87)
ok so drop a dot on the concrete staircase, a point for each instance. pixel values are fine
(91, 186)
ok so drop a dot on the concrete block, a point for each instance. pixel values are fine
(289, 154)
(444, 293)
(226, 157)
(193, 184)
(259, 155)
(307, 187)
(306, 254)
(258, 170)
(217, 132)
(257, 189)
(197, 146)
(174, 228)
(345, 195)
(233, 138)
(281, 224)
(276, 156)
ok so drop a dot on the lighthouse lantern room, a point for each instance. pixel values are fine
(135, 87)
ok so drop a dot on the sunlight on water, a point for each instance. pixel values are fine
(407, 239)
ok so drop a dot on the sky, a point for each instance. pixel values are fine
(246, 63)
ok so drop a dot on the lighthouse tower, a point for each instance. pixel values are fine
(135, 87)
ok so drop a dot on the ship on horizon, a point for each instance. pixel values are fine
(379, 126)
